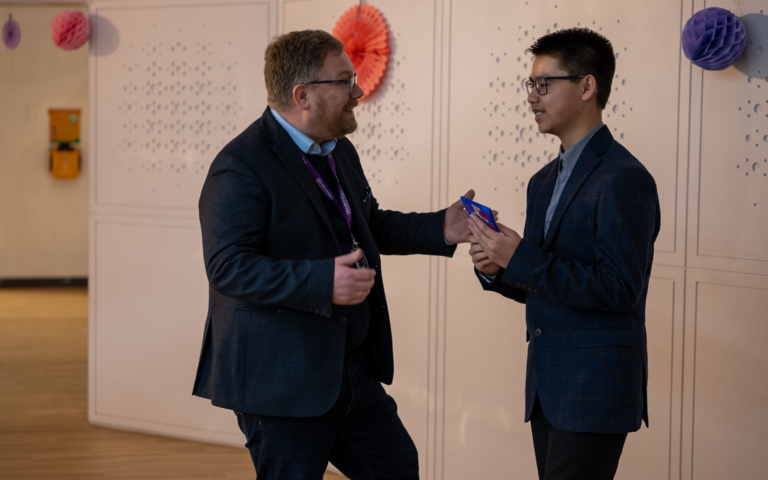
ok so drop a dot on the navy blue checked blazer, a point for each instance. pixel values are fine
(273, 341)
(584, 285)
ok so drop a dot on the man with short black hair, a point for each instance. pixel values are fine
(582, 267)
(298, 340)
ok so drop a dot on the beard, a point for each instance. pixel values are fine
(336, 123)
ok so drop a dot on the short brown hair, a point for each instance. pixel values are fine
(295, 58)
(581, 51)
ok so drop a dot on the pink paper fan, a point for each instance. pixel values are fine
(11, 33)
(70, 29)
(365, 36)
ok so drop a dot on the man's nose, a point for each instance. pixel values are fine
(357, 92)
(533, 97)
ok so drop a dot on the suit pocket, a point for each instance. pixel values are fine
(603, 338)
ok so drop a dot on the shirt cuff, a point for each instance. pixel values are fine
(486, 277)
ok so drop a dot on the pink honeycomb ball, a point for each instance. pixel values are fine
(70, 29)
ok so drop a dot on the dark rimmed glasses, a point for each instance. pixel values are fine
(541, 83)
(351, 81)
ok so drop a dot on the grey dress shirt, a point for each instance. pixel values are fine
(567, 161)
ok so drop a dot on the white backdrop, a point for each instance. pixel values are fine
(451, 115)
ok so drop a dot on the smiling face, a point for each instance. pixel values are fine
(560, 111)
(331, 113)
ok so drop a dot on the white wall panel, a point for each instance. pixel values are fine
(148, 307)
(485, 432)
(173, 84)
(725, 392)
(729, 193)
(664, 318)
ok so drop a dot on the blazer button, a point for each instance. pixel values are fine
(536, 292)
(517, 284)
(342, 320)
(537, 332)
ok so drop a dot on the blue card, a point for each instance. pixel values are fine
(482, 211)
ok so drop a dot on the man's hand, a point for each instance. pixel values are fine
(480, 258)
(455, 224)
(351, 285)
(498, 247)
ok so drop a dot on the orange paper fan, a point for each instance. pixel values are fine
(365, 36)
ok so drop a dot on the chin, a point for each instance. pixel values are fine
(348, 127)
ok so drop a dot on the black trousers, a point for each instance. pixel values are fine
(361, 435)
(562, 455)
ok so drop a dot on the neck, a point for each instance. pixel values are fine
(298, 119)
(580, 130)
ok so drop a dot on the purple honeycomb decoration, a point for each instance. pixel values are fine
(714, 38)
(11, 33)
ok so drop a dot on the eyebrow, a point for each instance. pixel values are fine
(345, 72)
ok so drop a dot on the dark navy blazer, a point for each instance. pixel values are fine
(585, 286)
(273, 342)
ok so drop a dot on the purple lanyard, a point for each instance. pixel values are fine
(342, 207)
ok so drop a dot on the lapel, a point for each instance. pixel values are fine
(287, 151)
(589, 159)
(543, 198)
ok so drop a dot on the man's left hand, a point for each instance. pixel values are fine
(499, 246)
(455, 224)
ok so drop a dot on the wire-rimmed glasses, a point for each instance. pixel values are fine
(352, 81)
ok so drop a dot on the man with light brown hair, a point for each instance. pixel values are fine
(297, 340)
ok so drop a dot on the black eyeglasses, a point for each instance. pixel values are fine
(541, 83)
(351, 81)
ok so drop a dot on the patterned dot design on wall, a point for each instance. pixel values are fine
(379, 139)
(180, 107)
(513, 140)
(755, 108)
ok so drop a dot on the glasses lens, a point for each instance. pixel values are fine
(352, 83)
(541, 85)
(528, 86)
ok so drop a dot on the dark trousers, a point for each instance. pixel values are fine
(562, 455)
(361, 435)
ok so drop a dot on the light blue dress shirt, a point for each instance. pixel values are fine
(305, 144)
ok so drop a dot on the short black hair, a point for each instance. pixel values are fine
(581, 51)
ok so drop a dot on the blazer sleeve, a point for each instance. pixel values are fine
(498, 286)
(234, 215)
(398, 233)
(627, 223)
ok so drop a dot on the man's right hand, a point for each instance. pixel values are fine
(351, 285)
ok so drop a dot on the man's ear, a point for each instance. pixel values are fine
(301, 96)
(589, 88)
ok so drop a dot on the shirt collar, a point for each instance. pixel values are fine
(569, 157)
(305, 144)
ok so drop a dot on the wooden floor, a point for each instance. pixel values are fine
(44, 429)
